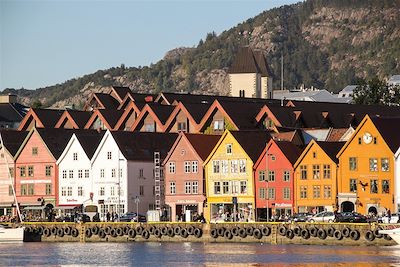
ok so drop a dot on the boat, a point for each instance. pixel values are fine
(7, 233)
(393, 233)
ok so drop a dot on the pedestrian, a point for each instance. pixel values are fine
(389, 214)
(108, 216)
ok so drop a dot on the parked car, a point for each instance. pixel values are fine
(325, 216)
(132, 217)
(351, 217)
(300, 217)
(395, 218)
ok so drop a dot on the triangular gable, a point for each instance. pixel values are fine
(66, 117)
(31, 132)
(31, 115)
(160, 98)
(216, 106)
(308, 147)
(97, 115)
(147, 111)
(119, 92)
(258, 162)
(126, 102)
(132, 107)
(93, 97)
(266, 111)
(106, 136)
(180, 136)
(65, 151)
(180, 108)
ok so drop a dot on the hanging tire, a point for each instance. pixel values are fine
(101, 233)
(266, 231)
(305, 234)
(330, 231)
(221, 231)
(228, 235)
(74, 232)
(170, 232)
(54, 231)
(60, 232)
(257, 233)
(177, 230)
(370, 236)
(139, 229)
(376, 232)
(355, 235)
(145, 234)
(313, 231)
(119, 231)
(126, 230)
(67, 230)
(113, 232)
(338, 234)
(184, 233)
(290, 234)
(249, 230)
(107, 230)
(164, 230)
(46, 232)
(214, 233)
(27, 229)
(198, 232)
(132, 233)
(157, 232)
(39, 230)
(282, 230)
(151, 229)
(88, 233)
(242, 233)
(95, 230)
(235, 231)
(297, 231)
(346, 232)
(321, 234)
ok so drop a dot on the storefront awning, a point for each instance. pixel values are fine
(34, 208)
(69, 207)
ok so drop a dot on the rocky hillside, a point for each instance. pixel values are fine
(325, 43)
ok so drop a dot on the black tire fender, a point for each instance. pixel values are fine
(107, 230)
(249, 230)
(157, 232)
(95, 230)
(290, 234)
(338, 234)
(257, 233)
(46, 232)
(266, 231)
(228, 235)
(139, 230)
(74, 232)
(346, 232)
(242, 233)
(145, 234)
(177, 230)
(197, 232)
(235, 231)
(330, 231)
(132, 233)
(184, 233)
(171, 232)
(88, 233)
(376, 232)
(355, 235)
(214, 233)
(313, 231)
(370, 236)
(221, 231)
(282, 230)
(297, 231)
(101, 233)
(305, 234)
(322, 234)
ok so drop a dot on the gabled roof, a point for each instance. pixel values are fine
(253, 142)
(132, 107)
(107, 116)
(331, 149)
(104, 101)
(290, 150)
(45, 118)
(120, 92)
(12, 140)
(202, 143)
(243, 114)
(250, 61)
(335, 135)
(196, 111)
(159, 113)
(389, 129)
(12, 112)
(77, 118)
(89, 140)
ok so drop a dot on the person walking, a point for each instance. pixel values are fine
(108, 216)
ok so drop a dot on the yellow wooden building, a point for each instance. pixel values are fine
(366, 171)
(315, 181)
(229, 176)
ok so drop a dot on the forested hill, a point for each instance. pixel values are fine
(325, 43)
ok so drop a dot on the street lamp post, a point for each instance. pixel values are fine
(137, 200)
(267, 181)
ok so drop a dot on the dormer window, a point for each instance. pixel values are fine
(219, 125)
(182, 126)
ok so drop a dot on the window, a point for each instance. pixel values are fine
(24, 190)
(225, 187)
(385, 187)
(113, 173)
(31, 189)
(271, 176)
(69, 191)
(109, 155)
(219, 125)
(243, 187)
(101, 173)
(286, 176)
(149, 127)
(359, 140)
(30, 171)
(235, 187)
(48, 189)
(271, 193)
(48, 170)
(327, 191)
(224, 166)
(64, 174)
(182, 126)
(195, 187)
(141, 190)
(120, 172)
(352, 163)
(187, 166)
(188, 187)
(86, 173)
(195, 166)
(316, 191)
(327, 171)
(80, 173)
(353, 185)
(215, 166)
(80, 191)
(261, 176)
(172, 167)
(172, 188)
(385, 164)
(75, 156)
(22, 171)
(242, 165)
(316, 172)
(303, 192)
(63, 191)
(375, 140)
(286, 193)
(261, 193)
(101, 193)
(234, 166)
(10, 190)
(228, 148)
(374, 186)
(141, 173)
(314, 155)
(71, 174)
(34, 151)
(112, 191)
(217, 188)
(373, 164)
(303, 172)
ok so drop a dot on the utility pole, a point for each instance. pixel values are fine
(282, 71)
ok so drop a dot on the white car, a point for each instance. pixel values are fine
(325, 216)
(393, 219)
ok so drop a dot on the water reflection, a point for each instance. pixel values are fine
(195, 254)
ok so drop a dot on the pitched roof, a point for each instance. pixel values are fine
(121, 92)
(13, 140)
(140, 146)
(253, 142)
(243, 114)
(107, 100)
(388, 128)
(203, 143)
(55, 139)
(89, 140)
(162, 111)
(48, 117)
(335, 135)
(197, 111)
(331, 149)
(80, 117)
(290, 150)
(12, 112)
(111, 116)
(250, 61)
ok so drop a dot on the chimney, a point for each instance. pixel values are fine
(10, 98)
(148, 98)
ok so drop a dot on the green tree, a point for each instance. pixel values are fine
(37, 104)
(376, 92)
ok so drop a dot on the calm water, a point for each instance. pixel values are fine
(194, 254)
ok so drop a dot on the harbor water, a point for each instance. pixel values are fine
(194, 254)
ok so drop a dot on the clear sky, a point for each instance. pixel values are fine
(47, 42)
